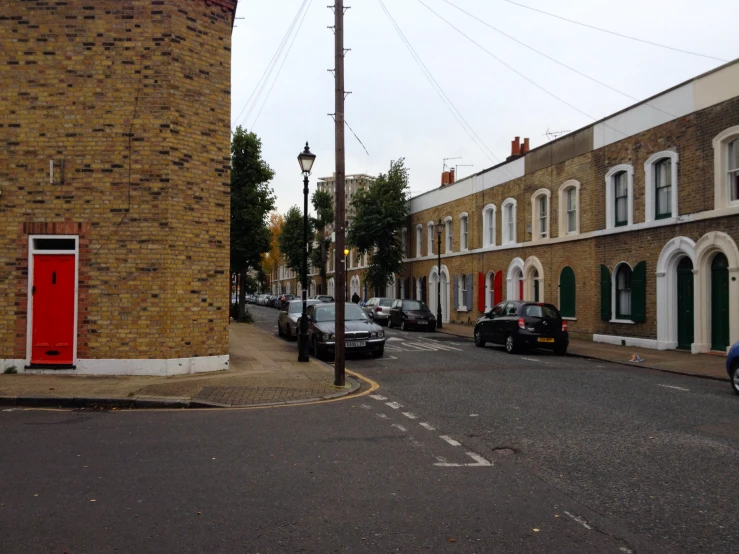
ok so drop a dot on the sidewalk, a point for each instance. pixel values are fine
(264, 370)
(709, 366)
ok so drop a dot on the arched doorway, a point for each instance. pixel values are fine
(433, 302)
(533, 286)
(719, 303)
(515, 289)
(685, 314)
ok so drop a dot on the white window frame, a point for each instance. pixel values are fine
(536, 230)
(430, 241)
(507, 238)
(448, 234)
(614, 294)
(488, 220)
(462, 293)
(562, 219)
(29, 306)
(611, 195)
(721, 167)
(464, 232)
(650, 193)
(419, 240)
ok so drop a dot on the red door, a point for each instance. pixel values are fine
(52, 339)
(520, 289)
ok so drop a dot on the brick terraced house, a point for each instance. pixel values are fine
(628, 225)
(114, 185)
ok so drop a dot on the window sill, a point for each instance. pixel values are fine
(627, 321)
(462, 309)
(569, 318)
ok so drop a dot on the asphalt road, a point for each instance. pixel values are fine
(460, 450)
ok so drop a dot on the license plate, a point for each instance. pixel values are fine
(545, 339)
(355, 344)
(422, 322)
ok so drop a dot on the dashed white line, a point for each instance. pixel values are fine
(450, 440)
(400, 427)
(393, 405)
(579, 519)
(377, 397)
(479, 460)
(673, 387)
(533, 360)
(427, 426)
(409, 415)
(382, 416)
(365, 406)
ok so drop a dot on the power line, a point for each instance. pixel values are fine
(287, 54)
(270, 67)
(439, 91)
(593, 79)
(615, 33)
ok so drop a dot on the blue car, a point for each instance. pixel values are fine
(732, 366)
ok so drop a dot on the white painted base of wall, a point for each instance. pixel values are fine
(157, 368)
(629, 341)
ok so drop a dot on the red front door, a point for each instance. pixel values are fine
(52, 338)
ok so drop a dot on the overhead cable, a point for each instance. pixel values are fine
(617, 34)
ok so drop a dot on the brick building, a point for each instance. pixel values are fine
(114, 185)
(628, 225)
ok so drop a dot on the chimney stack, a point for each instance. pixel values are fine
(451, 176)
(525, 148)
(445, 179)
(516, 147)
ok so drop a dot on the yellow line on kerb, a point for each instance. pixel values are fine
(373, 387)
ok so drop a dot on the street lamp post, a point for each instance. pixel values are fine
(306, 159)
(346, 294)
(439, 231)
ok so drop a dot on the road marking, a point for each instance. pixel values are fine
(400, 427)
(378, 397)
(533, 360)
(479, 460)
(393, 405)
(450, 440)
(626, 550)
(409, 415)
(391, 358)
(393, 339)
(381, 416)
(427, 426)
(365, 406)
(474, 415)
(673, 387)
(579, 519)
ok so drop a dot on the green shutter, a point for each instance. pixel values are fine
(605, 293)
(639, 293)
(567, 294)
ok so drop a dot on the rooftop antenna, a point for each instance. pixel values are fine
(445, 159)
(551, 135)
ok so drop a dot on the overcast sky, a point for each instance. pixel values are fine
(396, 112)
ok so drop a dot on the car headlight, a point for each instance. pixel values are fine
(380, 334)
(331, 336)
(325, 336)
(373, 334)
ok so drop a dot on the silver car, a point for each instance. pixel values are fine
(378, 309)
(287, 322)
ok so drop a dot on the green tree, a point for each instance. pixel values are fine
(251, 200)
(380, 210)
(292, 245)
(323, 204)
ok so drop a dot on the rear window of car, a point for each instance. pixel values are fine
(386, 302)
(413, 305)
(541, 311)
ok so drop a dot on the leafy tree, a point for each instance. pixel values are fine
(323, 204)
(291, 241)
(271, 261)
(251, 200)
(380, 210)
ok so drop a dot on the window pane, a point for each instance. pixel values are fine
(571, 222)
(734, 184)
(623, 292)
(734, 155)
(621, 210)
(664, 198)
(491, 228)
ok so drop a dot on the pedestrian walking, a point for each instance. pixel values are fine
(355, 298)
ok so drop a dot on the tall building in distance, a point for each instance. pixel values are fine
(352, 183)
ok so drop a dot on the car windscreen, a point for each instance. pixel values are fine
(296, 306)
(414, 305)
(386, 302)
(540, 311)
(352, 312)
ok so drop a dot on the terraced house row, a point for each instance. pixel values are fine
(628, 225)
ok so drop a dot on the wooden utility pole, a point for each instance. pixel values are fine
(340, 221)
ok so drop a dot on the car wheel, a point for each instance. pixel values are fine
(735, 377)
(279, 331)
(389, 322)
(290, 333)
(378, 353)
(403, 325)
(510, 344)
(479, 341)
(562, 350)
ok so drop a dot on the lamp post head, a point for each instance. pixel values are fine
(346, 251)
(306, 159)
(439, 228)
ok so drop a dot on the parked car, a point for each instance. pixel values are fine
(360, 334)
(518, 324)
(378, 309)
(411, 314)
(285, 299)
(323, 298)
(276, 302)
(732, 366)
(287, 321)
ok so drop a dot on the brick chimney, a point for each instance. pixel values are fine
(451, 176)
(445, 179)
(516, 147)
(525, 147)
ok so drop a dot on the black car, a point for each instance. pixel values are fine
(411, 314)
(360, 334)
(518, 325)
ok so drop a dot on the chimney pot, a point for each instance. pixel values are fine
(516, 146)
(451, 176)
(445, 179)
(525, 148)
